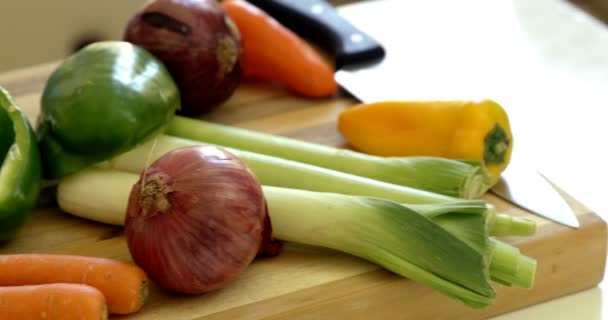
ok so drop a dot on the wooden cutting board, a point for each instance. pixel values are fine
(305, 282)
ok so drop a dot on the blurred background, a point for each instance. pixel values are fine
(34, 32)
(42, 31)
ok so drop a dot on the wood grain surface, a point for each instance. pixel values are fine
(306, 282)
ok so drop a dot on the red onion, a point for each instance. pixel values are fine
(199, 44)
(196, 219)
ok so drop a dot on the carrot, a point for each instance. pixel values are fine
(65, 301)
(124, 285)
(273, 52)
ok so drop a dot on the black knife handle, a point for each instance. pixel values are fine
(318, 21)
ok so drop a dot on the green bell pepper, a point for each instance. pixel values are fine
(21, 171)
(102, 101)
(7, 133)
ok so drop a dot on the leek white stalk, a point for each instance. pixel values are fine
(439, 175)
(104, 200)
(449, 250)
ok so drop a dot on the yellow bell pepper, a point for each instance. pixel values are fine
(464, 130)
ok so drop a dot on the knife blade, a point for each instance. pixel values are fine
(398, 62)
(530, 190)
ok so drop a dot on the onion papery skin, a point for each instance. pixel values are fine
(195, 219)
(199, 44)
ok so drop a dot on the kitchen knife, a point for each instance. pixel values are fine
(413, 56)
(319, 22)
(529, 189)
(369, 70)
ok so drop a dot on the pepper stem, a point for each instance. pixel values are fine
(496, 145)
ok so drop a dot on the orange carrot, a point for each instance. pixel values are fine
(273, 52)
(124, 285)
(65, 301)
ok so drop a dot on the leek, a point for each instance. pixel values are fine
(273, 171)
(280, 172)
(454, 255)
(439, 175)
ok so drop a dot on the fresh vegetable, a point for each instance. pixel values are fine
(112, 197)
(299, 176)
(20, 170)
(75, 194)
(439, 175)
(102, 101)
(446, 246)
(67, 112)
(276, 171)
(273, 52)
(464, 130)
(210, 209)
(7, 133)
(199, 44)
(449, 249)
(57, 301)
(403, 240)
(124, 285)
